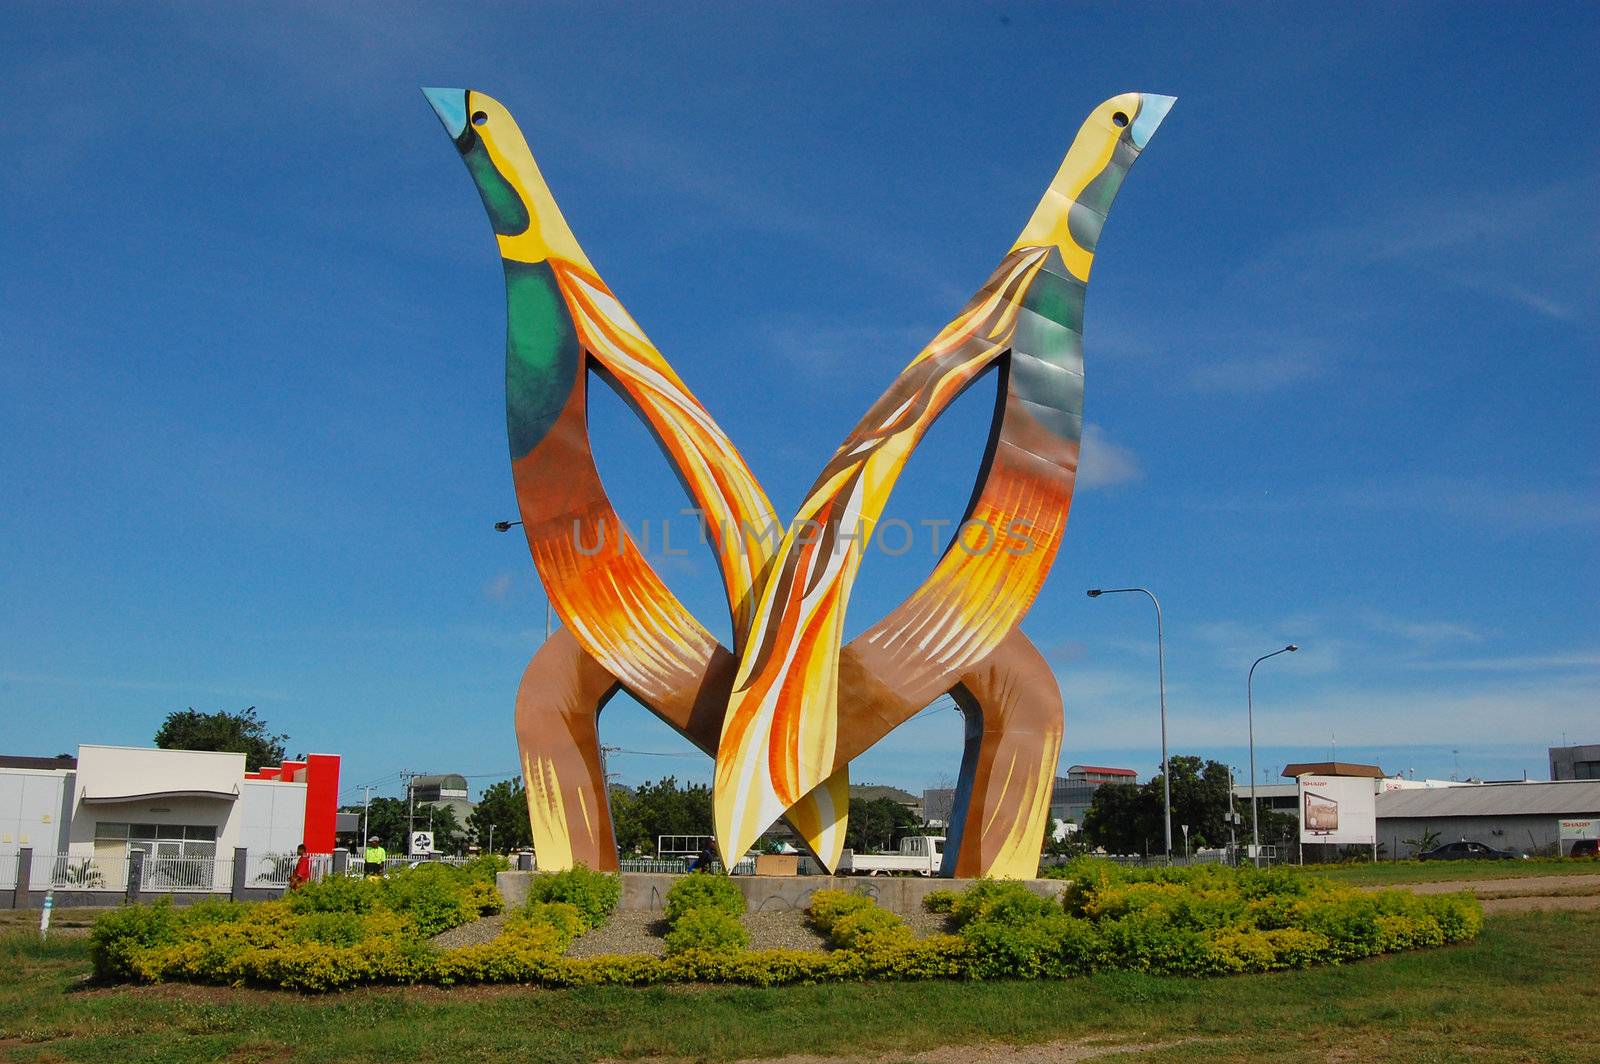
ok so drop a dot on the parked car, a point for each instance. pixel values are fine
(1586, 848)
(1469, 851)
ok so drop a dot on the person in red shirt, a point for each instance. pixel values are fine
(302, 868)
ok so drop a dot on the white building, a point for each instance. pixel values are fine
(186, 811)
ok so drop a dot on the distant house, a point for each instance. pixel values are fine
(448, 790)
(1575, 762)
(1069, 797)
(1073, 793)
(867, 792)
(1534, 817)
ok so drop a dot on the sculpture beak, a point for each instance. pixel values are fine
(1152, 109)
(451, 107)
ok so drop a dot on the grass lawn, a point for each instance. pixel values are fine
(1396, 872)
(1525, 991)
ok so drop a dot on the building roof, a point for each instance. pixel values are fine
(1559, 798)
(61, 761)
(146, 796)
(1101, 770)
(1266, 790)
(869, 791)
(1333, 768)
(450, 781)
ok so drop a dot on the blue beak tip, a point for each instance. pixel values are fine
(451, 107)
(1152, 109)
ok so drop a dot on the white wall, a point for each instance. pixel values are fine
(34, 811)
(272, 816)
(117, 771)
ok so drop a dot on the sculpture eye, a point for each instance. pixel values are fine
(1119, 119)
(479, 118)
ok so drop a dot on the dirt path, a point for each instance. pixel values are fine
(1043, 1053)
(1520, 887)
(1526, 894)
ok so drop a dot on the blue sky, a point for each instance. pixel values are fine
(1341, 356)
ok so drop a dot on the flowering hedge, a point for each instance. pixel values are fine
(1211, 921)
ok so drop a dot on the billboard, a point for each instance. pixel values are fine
(1573, 829)
(1342, 810)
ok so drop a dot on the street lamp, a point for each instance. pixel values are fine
(507, 526)
(1250, 710)
(1161, 677)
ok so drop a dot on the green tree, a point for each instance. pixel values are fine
(1426, 840)
(1124, 818)
(504, 806)
(386, 818)
(877, 824)
(1199, 799)
(659, 808)
(1277, 829)
(238, 733)
(448, 834)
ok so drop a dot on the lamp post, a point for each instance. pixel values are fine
(1161, 679)
(507, 526)
(1250, 711)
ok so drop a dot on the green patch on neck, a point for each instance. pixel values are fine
(541, 354)
(507, 213)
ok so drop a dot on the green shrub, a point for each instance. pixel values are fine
(431, 897)
(482, 899)
(828, 906)
(701, 890)
(594, 894)
(869, 928)
(1208, 921)
(333, 929)
(564, 919)
(483, 868)
(120, 935)
(706, 929)
(1002, 900)
(940, 901)
(338, 894)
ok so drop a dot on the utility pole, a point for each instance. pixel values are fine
(605, 775)
(1161, 680)
(411, 806)
(366, 804)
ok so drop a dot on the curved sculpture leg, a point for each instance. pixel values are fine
(1014, 723)
(558, 740)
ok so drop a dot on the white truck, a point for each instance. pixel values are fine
(919, 855)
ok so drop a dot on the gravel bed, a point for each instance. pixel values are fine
(781, 929)
(923, 923)
(472, 934)
(625, 931)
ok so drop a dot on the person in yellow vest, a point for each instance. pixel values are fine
(374, 857)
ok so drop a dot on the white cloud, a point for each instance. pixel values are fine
(1430, 632)
(498, 588)
(1526, 663)
(1264, 373)
(1102, 463)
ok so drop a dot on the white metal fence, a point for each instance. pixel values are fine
(79, 872)
(276, 869)
(668, 846)
(10, 863)
(673, 865)
(187, 874)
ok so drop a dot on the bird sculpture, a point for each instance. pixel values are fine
(789, 705)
